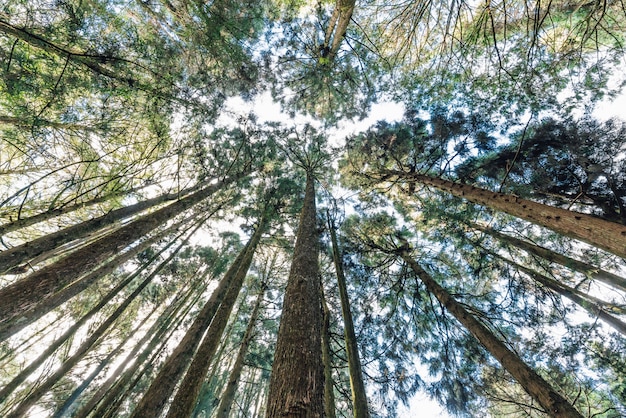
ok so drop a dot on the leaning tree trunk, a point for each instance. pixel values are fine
(58, 342)
(595, 307)
(226, 402)
(159, 392)
(552, 402)
(157, 330)
(24, 294)
(586, 269)
(185, 400)
(606, 235)
(359, 397)
(85, 346)
(297, 380)
(329, 387)
(15, 256)
(44, 306)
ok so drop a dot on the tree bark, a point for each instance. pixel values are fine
(329, 389)
(606, 235)
(552, 402)
(186, 398)
(359, 396)
(156, 331)
(44, 306)
(226, 402)
(297, 380)
(588, 270)
(159, 392)
(24, 294)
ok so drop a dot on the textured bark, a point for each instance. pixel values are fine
(24, 294)
(550, 400)
(338, 26)
(226, 402)
(606, 235)
(159, 392)
(15, 256)
(187, 396)
(594, 306)
(329, 389)
(359, 396)
(588, 270)
(297, 381)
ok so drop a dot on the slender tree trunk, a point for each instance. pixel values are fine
(15, 256)
(297, 381)
(63, 210)
(329, 389)
(158, 329)
(28, 292)
(340, 20)
(588, 270)
(594, 306)
(226, 402)
(606, 235)
(159, 392)
(185, 400)
(44, 306)
(52, 347)
(552, 402)
(96, 336)
(359, 397)
(111, 400)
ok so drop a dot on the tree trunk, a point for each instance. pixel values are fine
(359, 397)
(15, 256)
(44, 306)
(329, 389)
(553, 403)
(595, 307)
(159, 392)
(28, 292)
(63, 210)
(606, 235)
(185, 400)
(226, 402)
(297, 381)
(52, 347)
(157, 330)
(588, 270)
(112, 398)
(97, 335)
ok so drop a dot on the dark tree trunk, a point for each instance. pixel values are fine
(359, 397)
(606, 235)
(226, 402)
(329, 389)
(552, 402)
(297, 381)
(30, 291)
(159, 392)
(186, 398)
(554, 257)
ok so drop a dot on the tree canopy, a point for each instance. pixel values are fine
(162, 252)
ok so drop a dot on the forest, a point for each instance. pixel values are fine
(165, 251)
